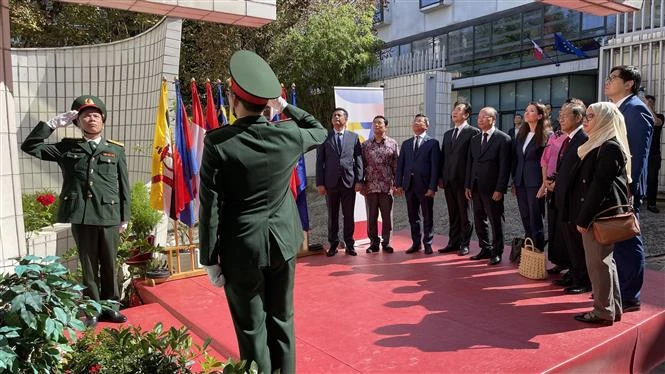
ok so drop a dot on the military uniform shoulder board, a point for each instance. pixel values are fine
(73, 140)
(115, 142)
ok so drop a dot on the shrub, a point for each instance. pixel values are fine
(39, 210)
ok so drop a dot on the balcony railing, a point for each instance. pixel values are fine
(406, 64)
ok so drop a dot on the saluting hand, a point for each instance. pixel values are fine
(62, 119)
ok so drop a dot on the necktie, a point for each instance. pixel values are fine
(417, 145)
(93, 145)
(339, 141)
(564, 146)
(455, 134)
(484, 143)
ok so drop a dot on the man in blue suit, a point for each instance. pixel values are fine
(416, 178)
(621, 87)
(339, 174)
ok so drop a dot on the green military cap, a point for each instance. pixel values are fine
(252, 79)
(89, 101)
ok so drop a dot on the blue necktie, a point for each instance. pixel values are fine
(339, 141)
(415, 148)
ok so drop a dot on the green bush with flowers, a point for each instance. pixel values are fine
(39, 210)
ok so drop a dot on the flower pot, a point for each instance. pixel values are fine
(157, 276)
(139, 258)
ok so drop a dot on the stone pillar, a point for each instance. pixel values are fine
(12, 239)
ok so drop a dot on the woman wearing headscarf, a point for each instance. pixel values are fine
(602, 183)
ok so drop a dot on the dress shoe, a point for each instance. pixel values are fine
(653, 209)
(495, 260)
(463, 251)
(563, 282)
(373, 248)
(331, 252)
(109, 315)
(449, 248)
(631, 307)
(576, 290)
(351, 252)
(483, 255)
(388, 249)
(556, 269)
(592, 318)
(428, 249)
(413, 249)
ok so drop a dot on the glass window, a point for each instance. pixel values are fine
(589, 22)
(422, 45)
(492, 96)
(460, 45)
(426, 3)
(583, 87)
(541, 90)
(477, 98)
(505, 122)
(463, 94)
(506, 34)
(481, 39)
(439, 44)
(564, 21)
(611, 26)
(559, 90)
(533, 25)
(523, 95)
(507, 96)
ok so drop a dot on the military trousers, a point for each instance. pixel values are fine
(261, 305)
(97, 249)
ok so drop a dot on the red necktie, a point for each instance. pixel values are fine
(564, 146)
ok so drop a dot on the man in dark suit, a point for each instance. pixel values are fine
(416, 178)
(488, 171)
(339, 175)
(517, 123)
(570, 118)
(655, 157)
(94, 196)
(454, 156)
(621, 87)
(250, 230)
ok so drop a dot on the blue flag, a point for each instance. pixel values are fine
(189, 167)
(563, 45)
(301, 199)
(221, 111)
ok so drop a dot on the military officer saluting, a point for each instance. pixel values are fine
(94, 196)
(249, 227)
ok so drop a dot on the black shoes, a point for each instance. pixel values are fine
(428, 249)
(109, 315)
(592, 318)
(91, 321)
(576, 290)
(331, 252)
(413, 249)
(463, 251)
(350, 251)
(653, 209)
(556, 269)
(565, 281)
(631, 307)
(449, 248)
(495, 260)
(373, 248)
(483, 255)
(388, 249)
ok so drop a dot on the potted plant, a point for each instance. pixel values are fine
(158, 270)
(137, 243)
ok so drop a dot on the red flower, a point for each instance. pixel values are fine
(95, 368)
(46, 199)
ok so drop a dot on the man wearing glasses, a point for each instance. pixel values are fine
(621, 87)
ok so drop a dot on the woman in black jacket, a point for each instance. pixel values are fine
(602, 179)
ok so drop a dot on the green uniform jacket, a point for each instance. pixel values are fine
(245, 196)
(95, 189)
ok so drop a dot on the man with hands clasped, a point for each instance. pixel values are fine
(249, 227)
(94, 197)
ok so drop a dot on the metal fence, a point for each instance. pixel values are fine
(406, 64)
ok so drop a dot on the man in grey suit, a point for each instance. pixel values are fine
(339, 175)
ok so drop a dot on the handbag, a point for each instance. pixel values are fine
(616, 228)
(532, 261)
(516, 249)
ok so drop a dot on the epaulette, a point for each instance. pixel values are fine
(115, 142)
(73, 140)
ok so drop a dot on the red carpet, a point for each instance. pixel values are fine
(432, 314)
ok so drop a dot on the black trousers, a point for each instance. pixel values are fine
(459, 211)
(487, 212)
(557, 252)
(417, 203)
(379, 202)
(346, 198)
(97, 249)
(653, 168)
(575, 247)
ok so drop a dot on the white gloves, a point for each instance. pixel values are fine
(215, 275)
(279, 104)
(63, 119)
(123, 226)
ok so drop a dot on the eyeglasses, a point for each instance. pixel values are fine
(611, 77)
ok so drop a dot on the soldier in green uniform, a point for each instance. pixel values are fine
(249, 229)
(94, 196)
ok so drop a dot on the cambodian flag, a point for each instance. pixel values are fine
(187, 155)
(198, 131)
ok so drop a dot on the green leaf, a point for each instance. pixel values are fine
(49, 329)
(20, 270)
(29, 318)
(61, 315)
